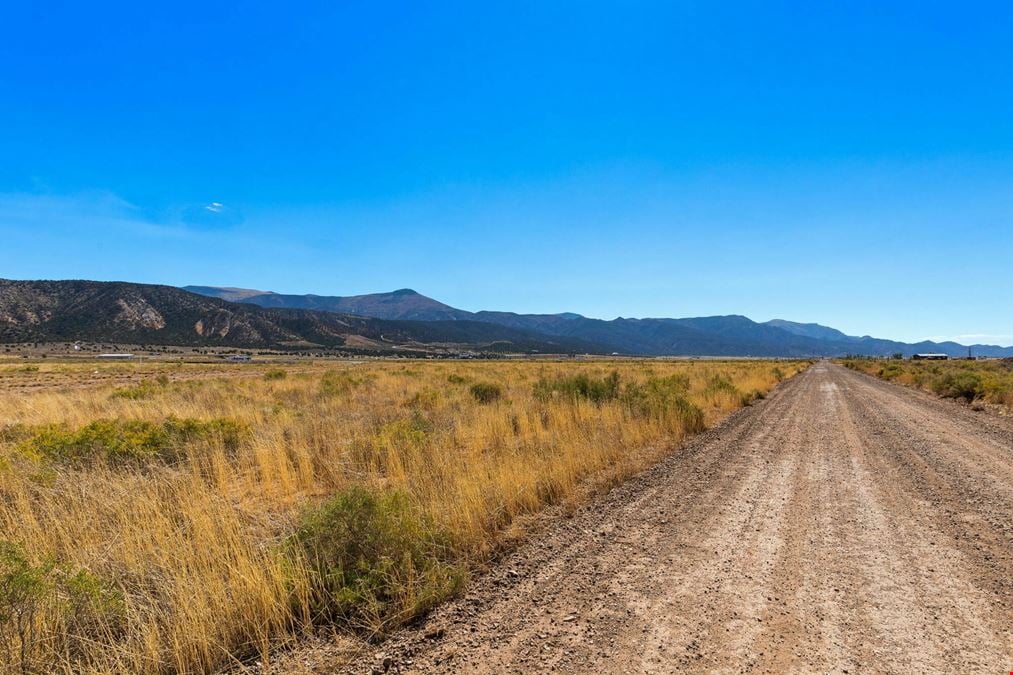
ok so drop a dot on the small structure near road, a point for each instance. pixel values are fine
(115, 357)
(929, 357)
(239, 358)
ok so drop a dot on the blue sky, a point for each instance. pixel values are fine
(846, 163)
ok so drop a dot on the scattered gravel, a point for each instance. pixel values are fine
(843, 524)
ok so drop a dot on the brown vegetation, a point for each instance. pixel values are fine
(176, 525)
(990, 381)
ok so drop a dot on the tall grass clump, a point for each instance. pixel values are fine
(486, 392)
(581, 386)
(338, 383)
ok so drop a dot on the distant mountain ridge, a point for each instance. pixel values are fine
(121, 312)
(402, 305)
(811, 330)
(700, 336)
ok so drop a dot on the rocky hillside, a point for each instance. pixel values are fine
(63, 311)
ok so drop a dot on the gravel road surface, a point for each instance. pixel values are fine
(842, 525)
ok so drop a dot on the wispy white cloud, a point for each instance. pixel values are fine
(211, 216)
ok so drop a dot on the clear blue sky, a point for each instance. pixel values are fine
(847, 163)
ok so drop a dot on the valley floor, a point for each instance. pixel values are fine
(844, 524)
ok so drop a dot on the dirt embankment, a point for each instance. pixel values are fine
(842, 525)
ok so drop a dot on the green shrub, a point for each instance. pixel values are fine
(965, 384)
(454, 378)
(132, 439)
(665, 398)
(337, 384)
(275, 374)
(50, 614)
(721, 384)
(654, 394)
(997, 389)
(778, 374)
(375, 562)
(410, 431)
(891, 371)
(597, 390)
(486, 392)
(143, 390)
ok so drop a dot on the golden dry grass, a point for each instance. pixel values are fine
(187, 564)
(990, 381)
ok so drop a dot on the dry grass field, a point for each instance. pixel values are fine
(988, 381)
(178, 518)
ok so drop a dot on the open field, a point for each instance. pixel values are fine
(844, 525)
(971, 381)
(19, 377)
(179, 517)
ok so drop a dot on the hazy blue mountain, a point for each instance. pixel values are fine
(811, 330)
(698, 336)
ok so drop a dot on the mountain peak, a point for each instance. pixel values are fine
(721, 335)
(404, 304)
(810, 330)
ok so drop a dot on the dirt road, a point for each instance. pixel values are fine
(842, 525)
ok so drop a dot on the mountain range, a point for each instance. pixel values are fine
(144, 314)
(402, 321)
(702, 336)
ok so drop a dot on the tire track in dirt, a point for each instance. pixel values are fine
(842, 525)
(952, 523)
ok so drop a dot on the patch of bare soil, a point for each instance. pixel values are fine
(844, 524)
